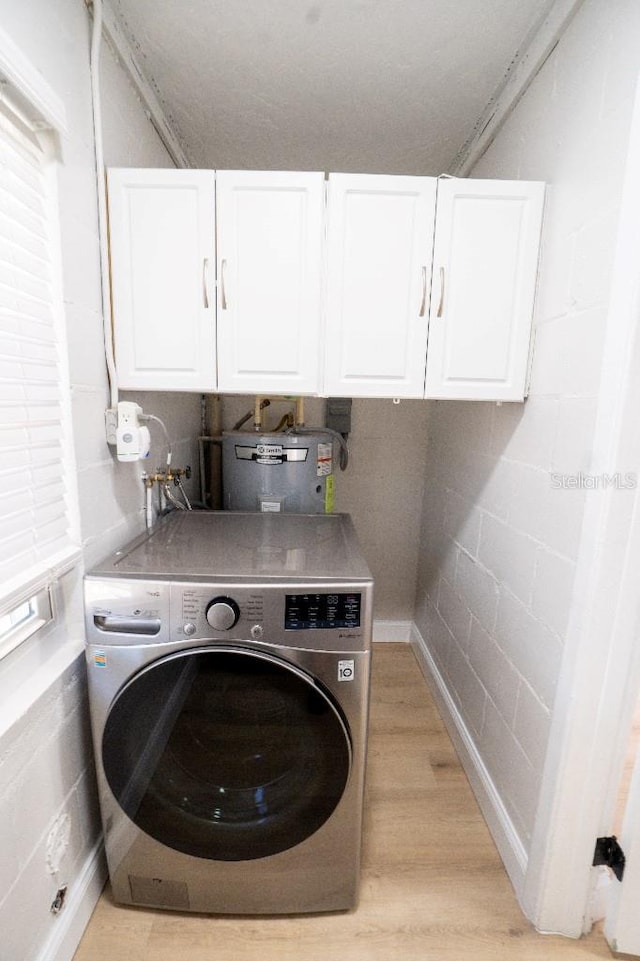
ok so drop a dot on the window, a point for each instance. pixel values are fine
(24, 619)
(38, 538)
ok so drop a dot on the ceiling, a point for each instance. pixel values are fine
(378, 86)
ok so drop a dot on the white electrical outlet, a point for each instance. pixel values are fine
(128, 439)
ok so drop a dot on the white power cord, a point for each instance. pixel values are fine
(96, 37)
(157, 420)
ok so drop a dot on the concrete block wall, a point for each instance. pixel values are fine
(382, 490)
(50, 833)
(499, 536)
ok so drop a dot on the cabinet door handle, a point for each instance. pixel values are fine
(441, 304)
(423, 303)
(205, 286)
(223, 292)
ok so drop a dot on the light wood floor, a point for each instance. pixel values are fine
(433, 887)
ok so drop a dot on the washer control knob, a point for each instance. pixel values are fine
(189, 629)
(257, 632)
(222, 613)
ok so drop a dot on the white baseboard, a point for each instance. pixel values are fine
(507, 840)
(82, 897)
(392, 630)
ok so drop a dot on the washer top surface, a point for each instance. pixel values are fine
(209, 544)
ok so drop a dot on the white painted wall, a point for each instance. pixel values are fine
(499, 544)
(46, 771)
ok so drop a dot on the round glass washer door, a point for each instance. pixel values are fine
(226, 754)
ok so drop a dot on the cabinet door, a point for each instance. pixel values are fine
(484, 275)
(380, 240)
(270, 232)
(162, 244)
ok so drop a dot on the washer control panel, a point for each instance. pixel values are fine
(201, 610)
(304, 612)
(301, 615)
(134, 612)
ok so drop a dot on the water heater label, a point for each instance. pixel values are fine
(325, 459)
(269, 453)
(329, 495)
(270, 507)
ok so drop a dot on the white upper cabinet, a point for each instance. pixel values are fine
(162, 242)
(407, 296)
(379, 249)
(484, 274)
(270, 243)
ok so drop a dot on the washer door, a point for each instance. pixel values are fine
(225, 753)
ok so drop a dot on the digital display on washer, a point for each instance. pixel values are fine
(303, 612)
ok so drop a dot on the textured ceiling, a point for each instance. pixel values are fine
(384, 86)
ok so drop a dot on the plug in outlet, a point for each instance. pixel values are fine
(128, 439)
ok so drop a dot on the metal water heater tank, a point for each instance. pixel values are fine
(288, 473)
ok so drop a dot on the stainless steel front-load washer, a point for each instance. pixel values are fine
(228, 658)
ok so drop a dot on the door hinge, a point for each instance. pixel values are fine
(609, 852)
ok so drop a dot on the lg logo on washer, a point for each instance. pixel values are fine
(346, 670)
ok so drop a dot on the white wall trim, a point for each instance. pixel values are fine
(392, 630)
(507, 840)
(122, 48)
(536, 48)
(82, 898)
(38, 101)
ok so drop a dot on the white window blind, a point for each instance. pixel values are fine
(36, 523)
